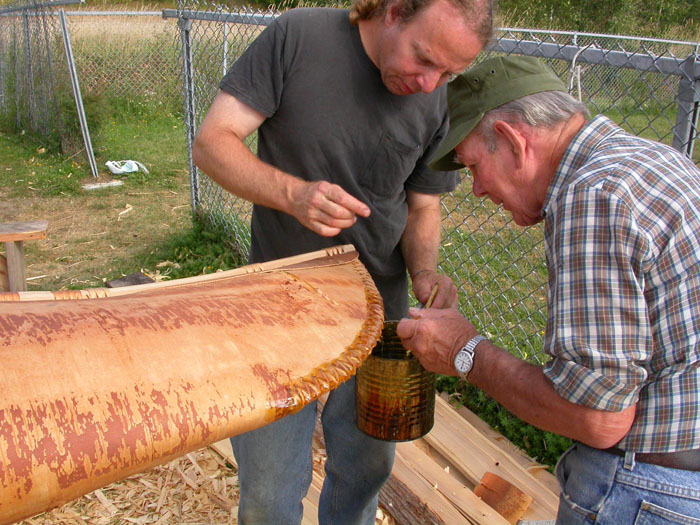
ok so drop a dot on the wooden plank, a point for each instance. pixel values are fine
(224, 449)
(409, 500)
(470, 508)
(474, 455)
(539, 471)
(504, 497)
(310, 502)
(23, 231)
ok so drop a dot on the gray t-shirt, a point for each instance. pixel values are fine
(330, 117)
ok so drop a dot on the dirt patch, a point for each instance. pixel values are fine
(92, 235)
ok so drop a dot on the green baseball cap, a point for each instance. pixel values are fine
(486, 86)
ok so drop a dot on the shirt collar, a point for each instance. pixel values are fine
(576, 154)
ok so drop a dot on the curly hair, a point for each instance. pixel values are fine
(479, 13)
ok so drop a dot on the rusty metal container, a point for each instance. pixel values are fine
(395, 398)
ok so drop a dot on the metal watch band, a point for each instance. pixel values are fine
(467, 354)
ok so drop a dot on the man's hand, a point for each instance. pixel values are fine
(325, 208)
(435, 336)
(423, 283)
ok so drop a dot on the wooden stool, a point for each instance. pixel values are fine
(13, 234)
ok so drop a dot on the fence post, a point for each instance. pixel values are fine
(29, 69)
(225, 67)
(688, 106)
(185, 25)
(77, 96)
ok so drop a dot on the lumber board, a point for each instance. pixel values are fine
(507, 499)
(409, 500)
(474, 454)
(471, 508)
(14, 255)
(432, 508)
(537, 470)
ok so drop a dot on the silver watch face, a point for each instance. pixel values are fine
(463, 362)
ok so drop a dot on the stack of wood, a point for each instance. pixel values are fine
(463, 471)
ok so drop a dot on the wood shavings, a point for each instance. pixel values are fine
(126, 210)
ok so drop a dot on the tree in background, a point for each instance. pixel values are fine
(634, 17)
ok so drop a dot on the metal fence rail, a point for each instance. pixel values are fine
(650, 87)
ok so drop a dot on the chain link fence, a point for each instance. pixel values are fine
(650, 87)
(131, 55)
(32, 68)
(121, 57)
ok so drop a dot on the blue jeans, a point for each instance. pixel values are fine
(598, 487)
(275, 466)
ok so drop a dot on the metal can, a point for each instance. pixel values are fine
(395, 395)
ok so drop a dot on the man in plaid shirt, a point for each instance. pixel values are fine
(622, 237)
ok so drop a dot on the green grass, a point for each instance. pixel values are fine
(156, 140)
(196, 251)
(30, 169)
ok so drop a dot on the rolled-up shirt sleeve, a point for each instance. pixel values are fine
(599, 334)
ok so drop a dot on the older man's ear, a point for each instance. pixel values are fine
(515, 141)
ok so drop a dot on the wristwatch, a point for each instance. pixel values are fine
(464, 360)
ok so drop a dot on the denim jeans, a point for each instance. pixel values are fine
(598, 487)
(275, 466)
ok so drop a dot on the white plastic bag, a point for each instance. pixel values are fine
(120, 167)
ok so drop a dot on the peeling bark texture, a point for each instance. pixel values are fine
(100, 384)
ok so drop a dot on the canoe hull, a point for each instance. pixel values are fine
(97, 389)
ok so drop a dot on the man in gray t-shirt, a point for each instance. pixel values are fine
(348, 108)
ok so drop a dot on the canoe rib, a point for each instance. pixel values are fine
(102, 384)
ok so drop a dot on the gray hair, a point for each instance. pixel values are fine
(541, 110)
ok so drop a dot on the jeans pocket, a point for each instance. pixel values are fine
(586, 477)
(569, 511)
(650, 514)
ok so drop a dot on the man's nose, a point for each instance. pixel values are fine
(429, 81)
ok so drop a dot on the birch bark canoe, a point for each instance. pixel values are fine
(101, 384)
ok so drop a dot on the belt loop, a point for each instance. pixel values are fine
(629, 460)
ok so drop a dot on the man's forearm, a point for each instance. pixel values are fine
(230, 163)
(421, 238)
(524, 390)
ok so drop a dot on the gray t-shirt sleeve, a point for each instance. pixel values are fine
(256, 78)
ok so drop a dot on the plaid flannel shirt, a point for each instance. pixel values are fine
(622, 239)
